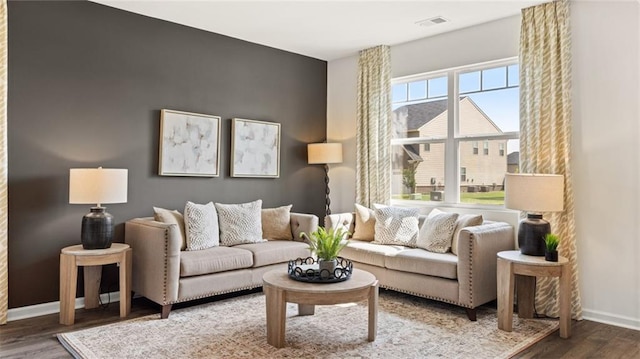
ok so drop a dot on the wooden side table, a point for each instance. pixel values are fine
(92, 260)
(520, 270)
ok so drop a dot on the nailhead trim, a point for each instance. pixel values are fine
(426, 296)
(472, 241)
(211, 294)
(166, 264)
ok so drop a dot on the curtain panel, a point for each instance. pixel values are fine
(4, 273)
(373, 129)
(545, 129)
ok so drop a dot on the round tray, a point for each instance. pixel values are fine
(308, 270)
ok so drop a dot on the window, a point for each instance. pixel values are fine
(439, 121)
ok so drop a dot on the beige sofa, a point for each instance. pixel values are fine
(467, 279)
(166, 275)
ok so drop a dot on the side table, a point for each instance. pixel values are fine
(92, 260)
(520, 270)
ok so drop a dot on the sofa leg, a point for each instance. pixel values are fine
(166, 309)
(471, 313)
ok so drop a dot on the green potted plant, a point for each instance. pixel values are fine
(327, 244)
(551, 242)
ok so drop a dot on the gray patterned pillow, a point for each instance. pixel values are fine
(240, 223)
(436, 234)
(201, 226)
(396, 225)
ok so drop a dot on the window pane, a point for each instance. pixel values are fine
(513, 73)
(399, 93)
(484, 175)
(418, 90)
(423, 119)
(438, 87)
(494, 78)
(490, 112)
(469, 82)
(417, 174)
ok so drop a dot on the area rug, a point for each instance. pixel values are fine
(408, 327)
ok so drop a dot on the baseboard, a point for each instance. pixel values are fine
(54, 307)
(611, 319)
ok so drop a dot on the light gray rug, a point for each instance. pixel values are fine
(408, 327)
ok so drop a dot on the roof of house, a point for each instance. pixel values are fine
(513, 158)
(420, 113)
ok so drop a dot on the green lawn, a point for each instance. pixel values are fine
(495, 197)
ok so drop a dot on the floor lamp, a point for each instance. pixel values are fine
(537, 193)
(325, 153)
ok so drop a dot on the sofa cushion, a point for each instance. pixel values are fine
(364, 229)
(369, 253)
(464, 220)
(201, 226)
(273, 252)
(240, 223)
(437, 231)
(276, 223)
(396, 225)
(171, 217)
(420, 261)
(214, 260)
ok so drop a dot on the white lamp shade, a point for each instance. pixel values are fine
(321, 153)
(97, 185)
(534, 192)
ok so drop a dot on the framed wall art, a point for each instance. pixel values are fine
(189, 144)
(255, 148)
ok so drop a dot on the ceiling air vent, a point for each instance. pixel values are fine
(432, 21)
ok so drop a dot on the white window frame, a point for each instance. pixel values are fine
(453, 139)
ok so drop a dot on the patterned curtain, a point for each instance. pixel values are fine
(545, 128)
(4, 273)
(373, 131)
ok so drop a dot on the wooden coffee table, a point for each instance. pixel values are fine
(280, 289)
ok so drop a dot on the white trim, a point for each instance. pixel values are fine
(37, 310)
(611, 319)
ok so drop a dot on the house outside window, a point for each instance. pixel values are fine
(447, 114)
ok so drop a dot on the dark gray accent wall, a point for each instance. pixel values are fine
(86, 85)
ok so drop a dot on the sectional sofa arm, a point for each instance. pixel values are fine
(156, 258)
(477, 260)
(303, 222)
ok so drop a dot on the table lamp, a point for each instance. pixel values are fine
(97, 185)
(325, 153)
(535, 193)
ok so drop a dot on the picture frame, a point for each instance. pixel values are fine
(255, 148)
(189, 144)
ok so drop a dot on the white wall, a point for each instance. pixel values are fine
(606, 160)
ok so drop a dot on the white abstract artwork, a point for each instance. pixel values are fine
(255, 148)
(189, 144)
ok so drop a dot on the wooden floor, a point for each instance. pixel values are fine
(35, 337)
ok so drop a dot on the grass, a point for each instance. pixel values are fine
(495, 197)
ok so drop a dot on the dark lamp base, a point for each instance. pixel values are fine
(97, 229)
(531, 235)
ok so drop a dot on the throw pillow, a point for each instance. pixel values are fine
(201, 226)
(365, 224)
(437, 231)
(465, 220)
(396, 225)
(171, 217)
(276, 223)
(240, 223)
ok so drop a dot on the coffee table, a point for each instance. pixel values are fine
(280, 289)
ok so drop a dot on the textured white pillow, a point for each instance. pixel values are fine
(435, 235)
(201, 226)
(276, 223)
(240, 223)
(396, 225)
(365, 224)
(171, 217)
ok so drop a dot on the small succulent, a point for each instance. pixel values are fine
(551, 242)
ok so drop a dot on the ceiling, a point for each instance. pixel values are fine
(325, 30)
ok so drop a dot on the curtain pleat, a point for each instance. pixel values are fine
(545, 129)
(373, 130)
